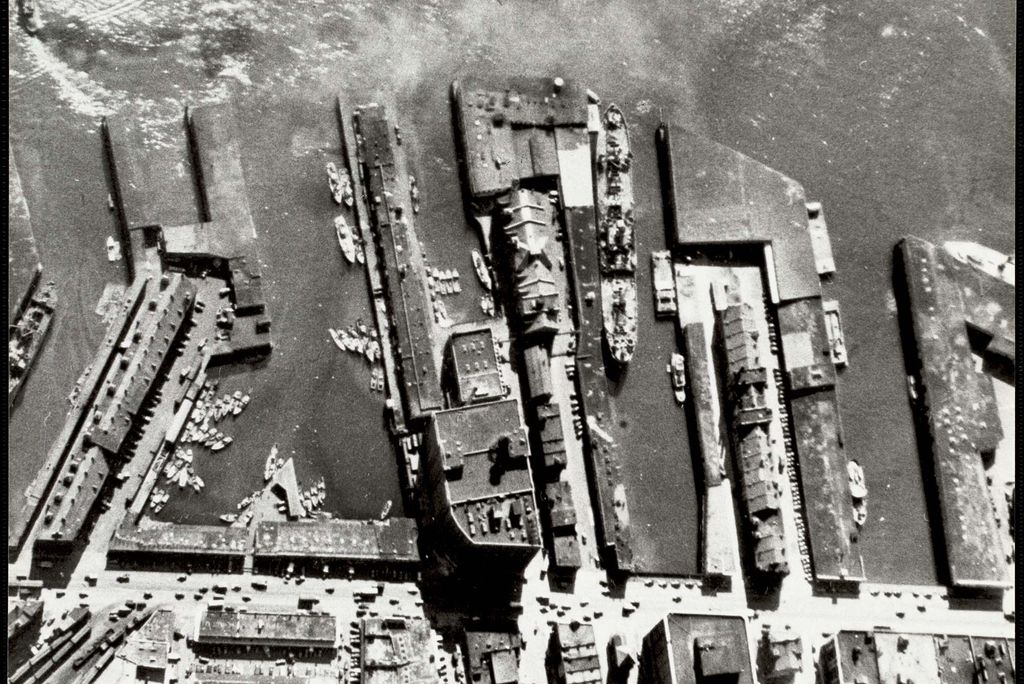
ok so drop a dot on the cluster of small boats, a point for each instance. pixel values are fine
(179, 469)
(443, 281)
(199, 429)
(358, 339)
(341, 185)
(158, 498)
(351, 246)
(441, 314)
(858, 492)
(377, 379)
(313, 497)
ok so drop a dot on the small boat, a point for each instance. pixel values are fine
(237, 410)
(834, 331)
(345, 238)
(218, 445)
(182, 479)
(347, 195)
(335, 183)
(229, 518)
(387, 509)
(113, 249)
(487, 305)
(677, 370)
(858, 489)
(481, 270)
(245, 400)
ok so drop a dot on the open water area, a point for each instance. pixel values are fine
(897, 117)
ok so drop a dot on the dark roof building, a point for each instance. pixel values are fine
(691, 649)
(479, 486)
(852, 657)
(493, 657)
(949, 303)
(258, 628)
(369, 547)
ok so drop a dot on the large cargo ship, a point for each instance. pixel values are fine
(26, 338)
(615, 235)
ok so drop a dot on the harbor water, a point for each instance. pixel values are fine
(898, 118)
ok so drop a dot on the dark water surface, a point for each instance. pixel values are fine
(897, 116)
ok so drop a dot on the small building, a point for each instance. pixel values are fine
(552, 437)
(473, 366)
(537, 362)
(780, 657)
(561, 511)
(493, 657)
(149, 658)
(227, 631)
(573, 656)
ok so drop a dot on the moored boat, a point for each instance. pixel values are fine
(481, 269)
(335, 183)
(677, 371)
(346, 240)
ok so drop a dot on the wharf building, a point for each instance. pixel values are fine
(339, 548)
(717, 196)
(387, 189)
(305, 634)
(949, 309)
(759, 470)
(223, 243)
(853, 657)
(477, 499)
(694, 649)
(524, 152)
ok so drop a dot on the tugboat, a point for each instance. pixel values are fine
(113, 249)
(335, 183)
(616, 240)
(345, 239)
(984, 259)
(481, 270)
(663, 283)
(677, 370)
(229, 518)
(347, 196)
(859, 492)
(834, 330)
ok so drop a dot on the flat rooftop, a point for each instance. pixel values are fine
(227, 627)
(945, 297)
(720, 196)
(393, 540)
(154, 537)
